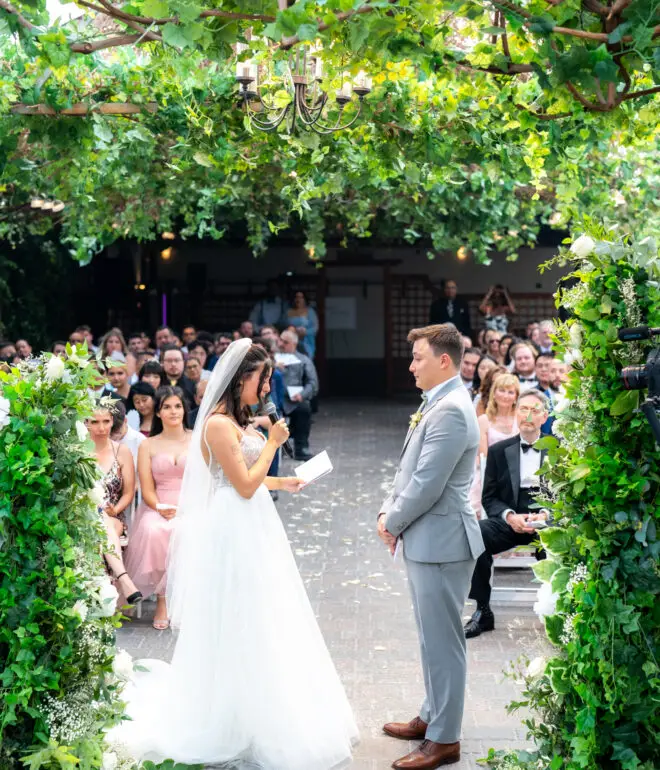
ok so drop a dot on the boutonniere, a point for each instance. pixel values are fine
(415, 419)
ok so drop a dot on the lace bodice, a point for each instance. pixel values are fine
(252, 445)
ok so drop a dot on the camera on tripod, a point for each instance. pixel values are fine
(645, 376)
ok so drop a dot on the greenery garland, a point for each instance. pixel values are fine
(595, 702)
(61, 675)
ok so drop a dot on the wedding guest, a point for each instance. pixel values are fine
(467, 342)
(524, 365)
(505, 343)
(193, 370)
(199, 351)
(200, 389)
(506, 356)
(529, 329)
(471, 357)
(122, 432)
(298, 407)
(173, 363)
(535, 336)
(143, 400)
(558, 374)
(497, 306)
(269, 310)
(136, 343)
(510, 485)
(482, 397)
(188, 335)
(163, 336)
(58, 348)
(246, 330)
(24, 349)
(492, 344)
(546, 329)
(451, 308)
(113, 341)
(153, 373)
(270, 338)
(480, 340)
(117, 374)
(118, 484)
(305, 322)
(86, 331)
(161, 465)
(76, 338)
(485, 363)
(496, 424)
(542, 372)
(221, 343)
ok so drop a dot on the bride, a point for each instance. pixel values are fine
(251, 683)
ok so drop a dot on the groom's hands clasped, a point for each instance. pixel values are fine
(387, 537)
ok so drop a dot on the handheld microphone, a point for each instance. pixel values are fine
(637, 333)
(270, 410)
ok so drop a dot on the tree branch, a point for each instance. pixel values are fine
(83, 110)
(90, 46)
(25, 23)
(616, 9)
(595, 7)
(637, 94)
(586, 103)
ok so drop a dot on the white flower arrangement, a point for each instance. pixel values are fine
(569, 634)
(54, 369)
(109, 761)
(415, 419)
(81, 610)
(578, 575)
(546, 601)
(5, 405)
(81, 430)
(537, 667)
(76, 359)
(108, 597)
(576, 333)
(96, 494)
(122, 665)
(583, 246)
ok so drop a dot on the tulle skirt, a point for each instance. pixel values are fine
(251, 683)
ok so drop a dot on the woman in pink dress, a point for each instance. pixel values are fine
(161, 464)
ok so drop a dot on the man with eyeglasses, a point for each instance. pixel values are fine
(510, 485)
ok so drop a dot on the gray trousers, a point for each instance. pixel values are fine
(439, 592)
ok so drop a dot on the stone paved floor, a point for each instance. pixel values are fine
(361, 598)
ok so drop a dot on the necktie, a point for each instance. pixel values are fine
(450, 309)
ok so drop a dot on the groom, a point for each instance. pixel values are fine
(430, 511)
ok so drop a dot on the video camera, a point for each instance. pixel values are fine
(645, 376)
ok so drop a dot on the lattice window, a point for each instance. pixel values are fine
(410, 302)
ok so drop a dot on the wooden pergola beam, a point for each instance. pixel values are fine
(83, 110)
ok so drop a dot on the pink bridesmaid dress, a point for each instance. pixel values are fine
(146, 554)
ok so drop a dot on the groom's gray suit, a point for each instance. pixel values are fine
(430, 510)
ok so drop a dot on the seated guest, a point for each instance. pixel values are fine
(188, 335)
(220, 344)
(558, 374)
(510, 484)
(542, 371)
(122, 432)
(113, 342)
(298, 407)
(117, 374)
(118, 484)
(161, 464)
(171, 357)
(199, 350)
(58, 348)
(200, 390)
(483, 396)
(143, 400)
(193, 370)
(246, 330)
(507, 360)
(163, 336)
(505, 343)
(24, 349)
(492, 343)
(485, 363)
(546, 329)
(8, 351)
(471, 357)
(524, 365)
(136, 343)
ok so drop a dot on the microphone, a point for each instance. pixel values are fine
(637, 333)
(270, 410)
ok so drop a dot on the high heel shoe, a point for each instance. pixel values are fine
(136, 597)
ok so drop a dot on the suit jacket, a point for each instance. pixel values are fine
(461, 316)
(303, 375)
(188, 388)
(502, 477)
(429, 505)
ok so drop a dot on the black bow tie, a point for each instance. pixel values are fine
(526, 447)
(527, 379)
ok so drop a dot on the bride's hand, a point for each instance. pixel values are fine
(291, 484)
(279, 432)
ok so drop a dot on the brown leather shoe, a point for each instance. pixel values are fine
(407, 731)
(429, 755)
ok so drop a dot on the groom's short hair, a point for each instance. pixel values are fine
(443, 338)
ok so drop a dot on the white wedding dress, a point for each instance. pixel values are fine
(251, 683)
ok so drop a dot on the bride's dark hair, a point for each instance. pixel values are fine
(231, 399)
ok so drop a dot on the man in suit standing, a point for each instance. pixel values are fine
(302, 377)
(429, 511)
(510, 484)
(451, 309)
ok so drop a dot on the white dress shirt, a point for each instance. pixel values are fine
(530, 464)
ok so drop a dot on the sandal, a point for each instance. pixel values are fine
(136, 597)
(161, 625)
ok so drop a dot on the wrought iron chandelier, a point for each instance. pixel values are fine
(307, 104)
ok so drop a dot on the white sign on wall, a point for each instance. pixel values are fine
(340, 313)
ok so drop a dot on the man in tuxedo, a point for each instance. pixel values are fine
(451, 309)
(524, 365)
(510, 484)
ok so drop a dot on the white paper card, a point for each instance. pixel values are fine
(294, 390)
(313, 469)
(287, 359)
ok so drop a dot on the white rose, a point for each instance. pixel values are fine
(81, 430)
(80, 608)
(561, 403)
(110, 761)
(5, 405)
(546, 601)
(108, 596)
(583, 246)
(97, 494)
(576, 335)
(536, 667)
(54, 368)
(122, 665)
